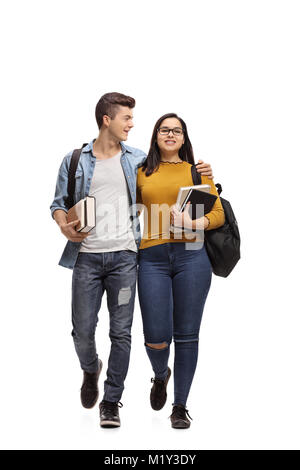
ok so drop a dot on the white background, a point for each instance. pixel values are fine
(231, 70)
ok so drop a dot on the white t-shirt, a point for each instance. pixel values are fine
(113, 231)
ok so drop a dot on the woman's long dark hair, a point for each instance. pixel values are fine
(185, 152)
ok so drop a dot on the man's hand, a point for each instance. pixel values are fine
(71, 234)
(204, 169)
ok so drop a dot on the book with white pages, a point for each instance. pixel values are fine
(184, 191)
(85, 211)
(197, 194)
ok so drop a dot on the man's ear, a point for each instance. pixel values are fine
(106, 120)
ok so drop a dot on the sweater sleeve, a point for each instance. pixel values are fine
(216, 216)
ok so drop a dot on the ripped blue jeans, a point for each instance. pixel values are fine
(173, 283)
(94, 273)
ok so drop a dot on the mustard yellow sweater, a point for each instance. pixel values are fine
(158, 192)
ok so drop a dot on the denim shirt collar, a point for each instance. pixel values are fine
(89, 148)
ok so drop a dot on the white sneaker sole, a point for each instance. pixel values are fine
(109, 424)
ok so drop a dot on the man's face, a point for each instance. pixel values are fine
(120, 126)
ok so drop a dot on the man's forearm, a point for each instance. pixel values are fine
(60, 217)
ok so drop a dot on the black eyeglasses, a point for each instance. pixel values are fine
(166, 130)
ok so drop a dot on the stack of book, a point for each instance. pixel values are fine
(85, 211)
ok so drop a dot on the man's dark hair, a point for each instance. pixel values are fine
(185, 152)
(109, 105)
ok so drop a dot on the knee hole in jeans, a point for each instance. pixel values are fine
(124, 296)
(163, 345)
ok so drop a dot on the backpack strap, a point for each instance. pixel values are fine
(197, 179)
(219, 188)
(195, 175)
(71, 176)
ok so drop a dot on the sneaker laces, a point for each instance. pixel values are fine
(180, 411)
(159, 382)
(110, 407)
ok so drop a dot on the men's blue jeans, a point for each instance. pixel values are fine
(173, 283)
(93, 273)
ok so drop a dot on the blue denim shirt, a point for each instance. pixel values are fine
(131, 159)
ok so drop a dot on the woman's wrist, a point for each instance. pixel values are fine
(200, 224)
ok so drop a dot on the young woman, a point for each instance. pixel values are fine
(174, 273)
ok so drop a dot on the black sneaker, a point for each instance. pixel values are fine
(158, 395)
(179, 417)
(109, 414)
(89, 390)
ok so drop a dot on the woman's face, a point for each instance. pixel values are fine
(172, 141)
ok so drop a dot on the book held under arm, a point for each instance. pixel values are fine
(196, 195)
(85, 211)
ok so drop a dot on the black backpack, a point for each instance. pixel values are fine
(71, 176)
(222, 244)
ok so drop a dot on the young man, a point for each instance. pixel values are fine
(105, 258)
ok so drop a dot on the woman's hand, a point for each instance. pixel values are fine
(181, 219)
